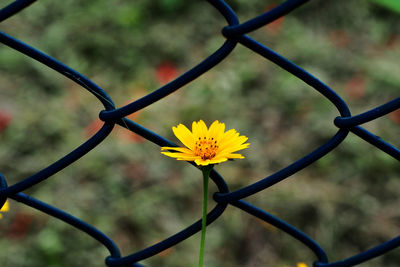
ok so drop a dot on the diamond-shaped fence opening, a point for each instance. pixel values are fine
(124, 120)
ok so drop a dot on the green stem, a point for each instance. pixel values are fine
(206, 174)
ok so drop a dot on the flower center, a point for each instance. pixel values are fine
(206, 148)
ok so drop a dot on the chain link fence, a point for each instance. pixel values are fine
(235, 34)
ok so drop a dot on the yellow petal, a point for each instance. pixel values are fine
(6, 207)
(236, 140)
(205, 162)
(216, 130)
(202, 127)
(202, 162)
(184, 135)
(212, 132)
(179, 149)
(217, 160)
(230, 156)
(228, 136)
(234, 148)
(181, 156)
(188, 158)
(221, 130)
(195, 130)
(227, 142)
(175, 154)
(235, 156)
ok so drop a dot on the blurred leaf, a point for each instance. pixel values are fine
(393, 5)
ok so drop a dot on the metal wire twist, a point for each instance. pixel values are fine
(235, 33)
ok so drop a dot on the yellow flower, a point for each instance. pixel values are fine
(207, 146)
(5, 208)
(299, 264)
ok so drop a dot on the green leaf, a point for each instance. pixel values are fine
(393, 5)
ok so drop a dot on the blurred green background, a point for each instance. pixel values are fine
(348, 201)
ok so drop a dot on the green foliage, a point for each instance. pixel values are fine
(347, 201)
(393, 5)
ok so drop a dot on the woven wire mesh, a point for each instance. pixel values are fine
(235, 34)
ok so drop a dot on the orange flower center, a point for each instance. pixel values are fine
(206, 148)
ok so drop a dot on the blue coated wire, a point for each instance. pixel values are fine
(171, 87)
(283, 173)
(60, 67)
(235, 33)
(75, 222)
(178, 237)
(296, 71)
(364, 256)
(284, 226)
(14, 8)
(3, 185)
(185, 78)
(61, 163)
(264, 19)
(376, 141)
(169, 242)
(347, 122)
